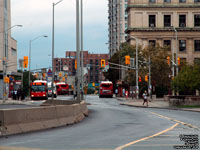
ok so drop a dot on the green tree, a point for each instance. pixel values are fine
(188, 80)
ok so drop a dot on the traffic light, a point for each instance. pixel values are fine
(179, 61)
(168, 60)
(60, 74)
(93, 84)
(43, 75)
(36, 75)
(25, 61)
(140, 79)
(63, 79)
(75, 64)
(65, 75)
(127, 60)
(103, 63)
(146, 78)
(6, 80)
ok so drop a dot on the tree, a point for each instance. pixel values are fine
(188, 80)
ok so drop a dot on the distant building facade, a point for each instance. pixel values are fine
(93, 60)
(8, 46)
(117, 18)
(156, 22)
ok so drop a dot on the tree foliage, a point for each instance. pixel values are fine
(188, 80)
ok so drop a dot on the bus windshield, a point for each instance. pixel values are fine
(38, 88)
(106, 85)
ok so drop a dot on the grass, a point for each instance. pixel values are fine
(187, 106)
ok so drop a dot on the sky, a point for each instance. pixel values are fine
(36, 18)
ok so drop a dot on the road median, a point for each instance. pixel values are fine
(15, 121)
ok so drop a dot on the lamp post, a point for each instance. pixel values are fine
(176, 50)
(5, 61)
(82, 65)
(53, 72)
(136, 68)
(30, 43)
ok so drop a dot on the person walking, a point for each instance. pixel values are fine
(116, 92)
(18, 94)
(145, 98)
(126, 93)
(123, 92)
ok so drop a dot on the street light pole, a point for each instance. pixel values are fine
(53, 72)
(176, 50)
(5, 33)
(78, 48)
(136, 68)
(82, 65)
(30, 43)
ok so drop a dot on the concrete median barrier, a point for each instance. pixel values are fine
(15, 121)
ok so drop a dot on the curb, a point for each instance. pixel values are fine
(160, 108)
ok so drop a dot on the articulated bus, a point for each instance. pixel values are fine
(39, 90)
(106, 89)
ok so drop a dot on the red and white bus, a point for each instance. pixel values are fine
(39, 90)
(106, 89)
(62, 88)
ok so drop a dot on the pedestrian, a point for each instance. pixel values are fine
(126, 93)
(18, 94)
(22, 95)
(116, 92)
(145, 98)
(15, 94)
(123, 92)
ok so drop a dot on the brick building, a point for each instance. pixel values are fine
(94, 60)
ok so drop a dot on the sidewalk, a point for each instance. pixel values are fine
(10, 101)
(158, 103)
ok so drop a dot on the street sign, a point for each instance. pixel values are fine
(49, 73)
(65, 68)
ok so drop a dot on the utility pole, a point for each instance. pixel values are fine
(150, 87)
(82, 65)
(78, 48)
(53, 72)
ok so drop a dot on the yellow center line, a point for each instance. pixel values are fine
(146, 138)
(177, 121)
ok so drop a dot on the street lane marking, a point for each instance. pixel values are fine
(16, 148)
(146, 138)
(177, 121)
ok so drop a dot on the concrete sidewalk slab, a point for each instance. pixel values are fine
(159, 103)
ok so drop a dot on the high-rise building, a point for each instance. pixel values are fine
(174, 23)
(93, 61)
(8, 45)
(117, 24)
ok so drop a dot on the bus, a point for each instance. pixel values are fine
(62, 88)
(39, 90)
(106, 89)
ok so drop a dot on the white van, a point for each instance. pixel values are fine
(50, 90)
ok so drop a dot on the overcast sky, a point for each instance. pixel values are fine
(36, 18)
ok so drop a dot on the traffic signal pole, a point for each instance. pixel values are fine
(78, 48)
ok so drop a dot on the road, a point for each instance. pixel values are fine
(111, 126)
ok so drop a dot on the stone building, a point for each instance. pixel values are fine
(157, 21)
(8, 45)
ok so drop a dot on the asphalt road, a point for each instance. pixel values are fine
(113, 126)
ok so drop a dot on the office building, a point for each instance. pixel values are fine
(8, 45)
(158, 21)
(117, 24)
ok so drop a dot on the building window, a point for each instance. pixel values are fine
(167, 20)
(14, 52)
(167, 43)
(152, 1)
(197, 20)
(152, 20)
(182, 20)
(152, 43)
(182, 45)
(182, 1)
(197, 45)
(167, 1)
(196, 1)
